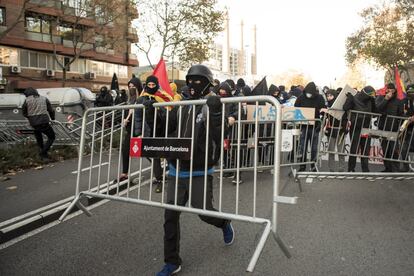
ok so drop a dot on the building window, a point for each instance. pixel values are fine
(37, 25)
(33, 60)
(2, 16)
(68, 33)
(42, 60)
(24, 58)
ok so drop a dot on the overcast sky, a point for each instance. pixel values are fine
(306, 35)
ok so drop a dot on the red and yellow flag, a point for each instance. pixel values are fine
(401, 94)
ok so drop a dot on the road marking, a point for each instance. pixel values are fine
(54, 223)
(88, 168)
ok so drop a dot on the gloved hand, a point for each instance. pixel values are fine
(149, 104)
(214, 104)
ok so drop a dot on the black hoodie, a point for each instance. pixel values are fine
(316, 100)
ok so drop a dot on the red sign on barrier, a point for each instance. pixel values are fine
(135, 147)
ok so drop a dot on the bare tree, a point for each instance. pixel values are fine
(83, 22)
(182, 28)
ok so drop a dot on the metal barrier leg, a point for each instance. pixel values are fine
(259, 247)
(282, 246)
(76, 201)
(297, 180)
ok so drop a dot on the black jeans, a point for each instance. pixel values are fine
(364, 144)
(390, 150)
(49, 132)
(172, 218)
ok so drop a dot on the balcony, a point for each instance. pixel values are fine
(47, 3)
(132, 56)
(84, 45)
(43, 37)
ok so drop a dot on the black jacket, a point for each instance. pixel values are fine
(393, 107)
(104, 99)
(360, 102)
(214, 138)
(149, 119)
(316, 101)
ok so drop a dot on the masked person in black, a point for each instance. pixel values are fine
(39, 111)
(104, 98)
(242, 89)
(310, 133)
(390, 105)
(363, 101)
(199, 79)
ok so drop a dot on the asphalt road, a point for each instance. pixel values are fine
(337, 228)
(33, 189)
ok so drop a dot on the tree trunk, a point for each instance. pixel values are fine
(64, 77)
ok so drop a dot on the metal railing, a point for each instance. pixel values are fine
(186, 120)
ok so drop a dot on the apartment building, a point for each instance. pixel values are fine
(39, 38)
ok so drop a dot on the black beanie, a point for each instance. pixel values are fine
(153, 79)
(369, 90)
(137, 83)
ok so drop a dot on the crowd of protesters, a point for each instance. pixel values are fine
(352, 123)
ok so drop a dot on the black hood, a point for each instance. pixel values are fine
(241, 83)
(137, 83)
(226, 87)
(296, 92)
(273, 88)
(310, 88)
(30, 92)
(362, 96)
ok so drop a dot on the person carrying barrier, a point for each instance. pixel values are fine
(148, 97)
(335, 131)
(38, 110)
(310, 133)
(363, 101)
(389, 105)
(199, 79)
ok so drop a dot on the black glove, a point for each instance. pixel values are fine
(349, 95)
(214, 104)
(149, 104)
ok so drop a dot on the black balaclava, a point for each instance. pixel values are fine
(104, 90)
(241, 83)
(198, 90)
(152, 79)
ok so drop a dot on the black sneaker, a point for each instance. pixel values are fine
(158, 186)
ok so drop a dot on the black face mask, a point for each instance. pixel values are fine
(198, 90)
(151, 90)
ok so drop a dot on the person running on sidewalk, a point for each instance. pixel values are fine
(199, 79)
(39, 111)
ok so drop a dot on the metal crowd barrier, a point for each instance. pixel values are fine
(67, 133)
(375, 139)
(143, 194)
